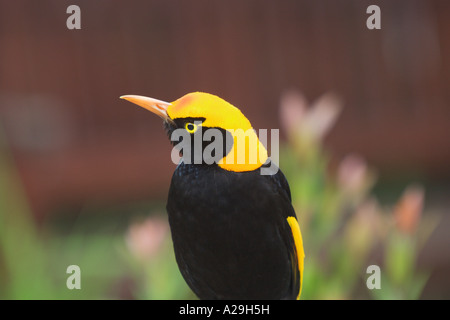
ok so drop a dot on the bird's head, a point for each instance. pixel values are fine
(196, 113)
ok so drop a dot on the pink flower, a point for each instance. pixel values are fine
(353, 174)
(315, 121)
(409, 208)
(144, 239)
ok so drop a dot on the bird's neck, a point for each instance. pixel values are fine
(247, 152)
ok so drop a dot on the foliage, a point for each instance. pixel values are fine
(345, 229)
(33, 261)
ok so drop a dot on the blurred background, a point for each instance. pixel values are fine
(364, 117)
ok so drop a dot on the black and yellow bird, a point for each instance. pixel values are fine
(234, 230)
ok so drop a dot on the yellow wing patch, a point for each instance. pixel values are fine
(298, 241)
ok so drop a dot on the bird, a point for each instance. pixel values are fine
(235, 232)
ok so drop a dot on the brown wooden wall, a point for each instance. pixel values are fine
(75, 141)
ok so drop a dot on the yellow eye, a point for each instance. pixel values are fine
(190, 127)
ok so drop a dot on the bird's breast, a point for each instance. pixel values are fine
(224, 229)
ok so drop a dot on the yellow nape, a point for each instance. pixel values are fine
(248, 153)
(298, 241)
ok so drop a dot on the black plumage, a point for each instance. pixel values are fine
(230, 234)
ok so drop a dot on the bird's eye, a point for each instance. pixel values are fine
(191, 127)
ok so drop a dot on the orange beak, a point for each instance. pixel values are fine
(156, 106)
